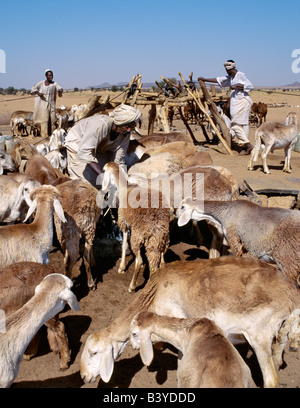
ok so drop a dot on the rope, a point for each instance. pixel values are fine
(16, 99)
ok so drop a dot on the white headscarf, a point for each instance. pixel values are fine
(230, 65)
(124, 114)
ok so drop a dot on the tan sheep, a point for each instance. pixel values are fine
(241, 295)
(207, 359)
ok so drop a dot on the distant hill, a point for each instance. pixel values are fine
(107, 85)
(295, 84)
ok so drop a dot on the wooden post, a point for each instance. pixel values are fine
(199, 103)
(187, 125)
(215, 113)
(151, 119)
(139, 86)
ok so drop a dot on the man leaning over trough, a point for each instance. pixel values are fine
(94, 141)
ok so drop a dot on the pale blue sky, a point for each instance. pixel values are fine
(90, 42)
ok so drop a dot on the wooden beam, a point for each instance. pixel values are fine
(215, 113)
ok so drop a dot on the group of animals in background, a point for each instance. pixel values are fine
(194, 305)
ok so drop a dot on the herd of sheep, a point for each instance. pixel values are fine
(200, 307)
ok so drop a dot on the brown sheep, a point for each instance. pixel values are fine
(149, 225)
(78, 199)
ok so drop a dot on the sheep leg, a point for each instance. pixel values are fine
(289, 330)
(214, 251)
(263, 351)
(87, 257)
(287, 161)
(264, 159)
(33, 346)
(58, 341)
(137, 268)
(122, 266)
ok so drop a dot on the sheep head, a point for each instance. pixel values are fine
(98, 356)
(62, 284)
(46, 193)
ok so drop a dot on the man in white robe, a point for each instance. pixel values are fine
(45, 103)
(96, 140)
(240, 102)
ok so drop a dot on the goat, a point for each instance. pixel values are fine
(78, 199)
(207, 358)
(19, 117)
(260, 110)
(7, 163)
(15, 197)
(275, 135)
(50, 297)
(241, 295)
(149, 225)
(32, 242)
(17, 284)
(62, 115)
(268, 233)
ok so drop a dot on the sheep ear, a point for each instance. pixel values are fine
(185, 217)
(68, 296)
(26, 194)
(31, 209)
(59, 210)
(107, 364)
(106, 181)
(146, 349)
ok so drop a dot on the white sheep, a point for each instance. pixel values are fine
(55, 142)
(268, 233)
(207, 359)
(15, 197)
(50, 298)
(32, 242)
(241, 295)
(7, 164)
(275, 135)
(57, 159)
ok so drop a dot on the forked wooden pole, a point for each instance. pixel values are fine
(201, 107)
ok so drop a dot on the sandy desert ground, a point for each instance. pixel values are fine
(99, 308)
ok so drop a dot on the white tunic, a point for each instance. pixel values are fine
(44, 107)
(240, 100)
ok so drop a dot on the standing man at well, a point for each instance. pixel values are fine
(45, 103)
(240, 102)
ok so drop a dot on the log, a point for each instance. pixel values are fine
(94, 106)
(216, 115)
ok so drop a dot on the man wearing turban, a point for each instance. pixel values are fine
(240, 102)
(45, 103)
(94, 141)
